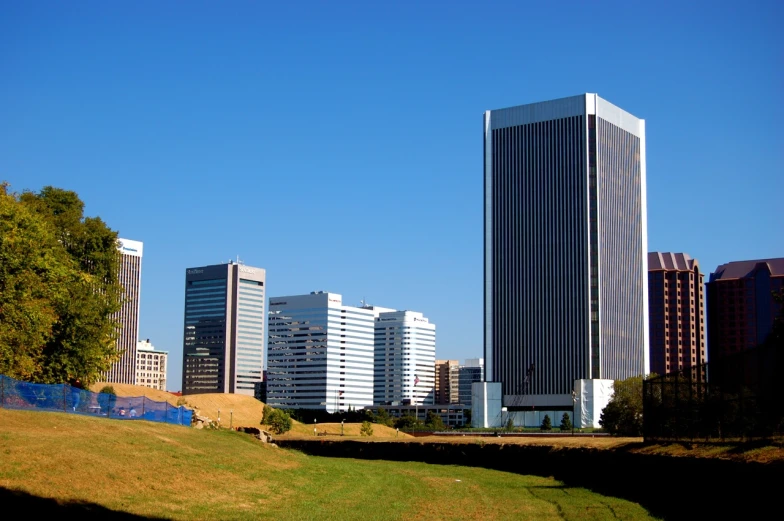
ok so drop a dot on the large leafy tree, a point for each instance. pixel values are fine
(623, 414)
(69, 264)
(34, 277)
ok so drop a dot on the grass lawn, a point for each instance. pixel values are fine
(176, 472)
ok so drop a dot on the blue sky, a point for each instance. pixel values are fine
(338, 144)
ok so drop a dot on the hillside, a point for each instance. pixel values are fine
(57, 465)
(237, 410)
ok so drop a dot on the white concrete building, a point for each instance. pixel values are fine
(150, 366)
(130, 277)
(405, 356)
(319, 353)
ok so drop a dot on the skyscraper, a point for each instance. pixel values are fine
(224, 329)
(124, 370)
(677, 311)
(405, 355)
(565, 248)
(741, 307)
(319, 353)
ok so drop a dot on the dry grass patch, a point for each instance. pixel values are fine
(176, 472)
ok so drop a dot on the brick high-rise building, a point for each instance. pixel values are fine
(676, 304)
(741, 308)
(446, 381)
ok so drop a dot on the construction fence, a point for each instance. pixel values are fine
(15, 394)
(737, 396)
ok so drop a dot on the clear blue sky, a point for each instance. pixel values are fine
(338, 144)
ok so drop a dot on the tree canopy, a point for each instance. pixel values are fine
(623, 414)
(59, 289)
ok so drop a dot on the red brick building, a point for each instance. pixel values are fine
(741, 308)
(676, 312)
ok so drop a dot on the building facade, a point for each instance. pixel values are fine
(224, 329)
(319, 353)
(446, 381)
(404, 358)
(150, 366)
(123, 371)
(741, 307)
(473, 370)
(565, 248)
(676, 305)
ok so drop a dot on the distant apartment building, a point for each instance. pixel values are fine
(473, 370)
(123, 371)
(319, 353)
(404, 357)
(224, 329)
(676, 304)
(741, 308)
(150, 366)
(446, 381)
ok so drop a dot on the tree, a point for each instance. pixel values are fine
(434, 421)
(623, 414)
(278, 421)
(509, 425)
(566, 422)
(547, 423)
(59, 289)
(366, 429)
(266, 414)
(382, 417)
(467, 416)
(34, 276)
(407, 422)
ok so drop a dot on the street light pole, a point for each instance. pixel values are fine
(574, 402)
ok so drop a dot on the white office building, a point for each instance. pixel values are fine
(405, 356)
(150, 366)
(319, 353)
(130, 277)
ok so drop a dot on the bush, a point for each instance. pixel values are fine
(435, 422)
(382, 417)
(566, 422)
(266, 414)
(108, 389)
(407, 422)
(278, 421)
(366, 429)
(546, 423)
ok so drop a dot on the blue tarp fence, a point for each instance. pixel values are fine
(15, 394)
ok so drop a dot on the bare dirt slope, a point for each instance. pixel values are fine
(137, 390)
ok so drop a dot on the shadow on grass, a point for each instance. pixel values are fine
(20, 502)
(672, 488)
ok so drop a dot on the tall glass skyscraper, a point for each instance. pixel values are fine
(224, 330)
(565, 248)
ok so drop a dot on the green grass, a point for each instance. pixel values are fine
(181, 473)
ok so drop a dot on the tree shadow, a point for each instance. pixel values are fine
(20, 501)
